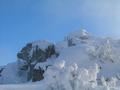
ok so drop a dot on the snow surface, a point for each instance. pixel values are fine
(66, 78)
(10, 74)
(91, 64)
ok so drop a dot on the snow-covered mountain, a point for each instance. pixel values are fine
(79, 62)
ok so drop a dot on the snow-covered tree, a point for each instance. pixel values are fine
(102, 51)
(32, 54)
(105, 51)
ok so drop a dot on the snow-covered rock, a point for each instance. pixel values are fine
(81, 34)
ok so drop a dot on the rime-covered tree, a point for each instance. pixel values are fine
(50, 50)
(31, 55)
(24, 55)
(38, 55)
(105, 51)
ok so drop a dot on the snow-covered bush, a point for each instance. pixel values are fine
(71, 77)
(92, 51)
(102, 51)
(105, 51)
(62, 77)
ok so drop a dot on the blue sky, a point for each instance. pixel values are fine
(22, 21)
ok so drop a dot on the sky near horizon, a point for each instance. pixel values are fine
(22, 21)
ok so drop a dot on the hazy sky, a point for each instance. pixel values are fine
(22, 21)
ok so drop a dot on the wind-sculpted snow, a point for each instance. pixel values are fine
(62, 77)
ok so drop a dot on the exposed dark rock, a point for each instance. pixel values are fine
(37, 74)
(1, 71)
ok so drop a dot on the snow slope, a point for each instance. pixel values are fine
(89, 63)
(39, 87)
(21, 87)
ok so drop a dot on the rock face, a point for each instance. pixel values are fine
(38, 74)
(32, 54)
